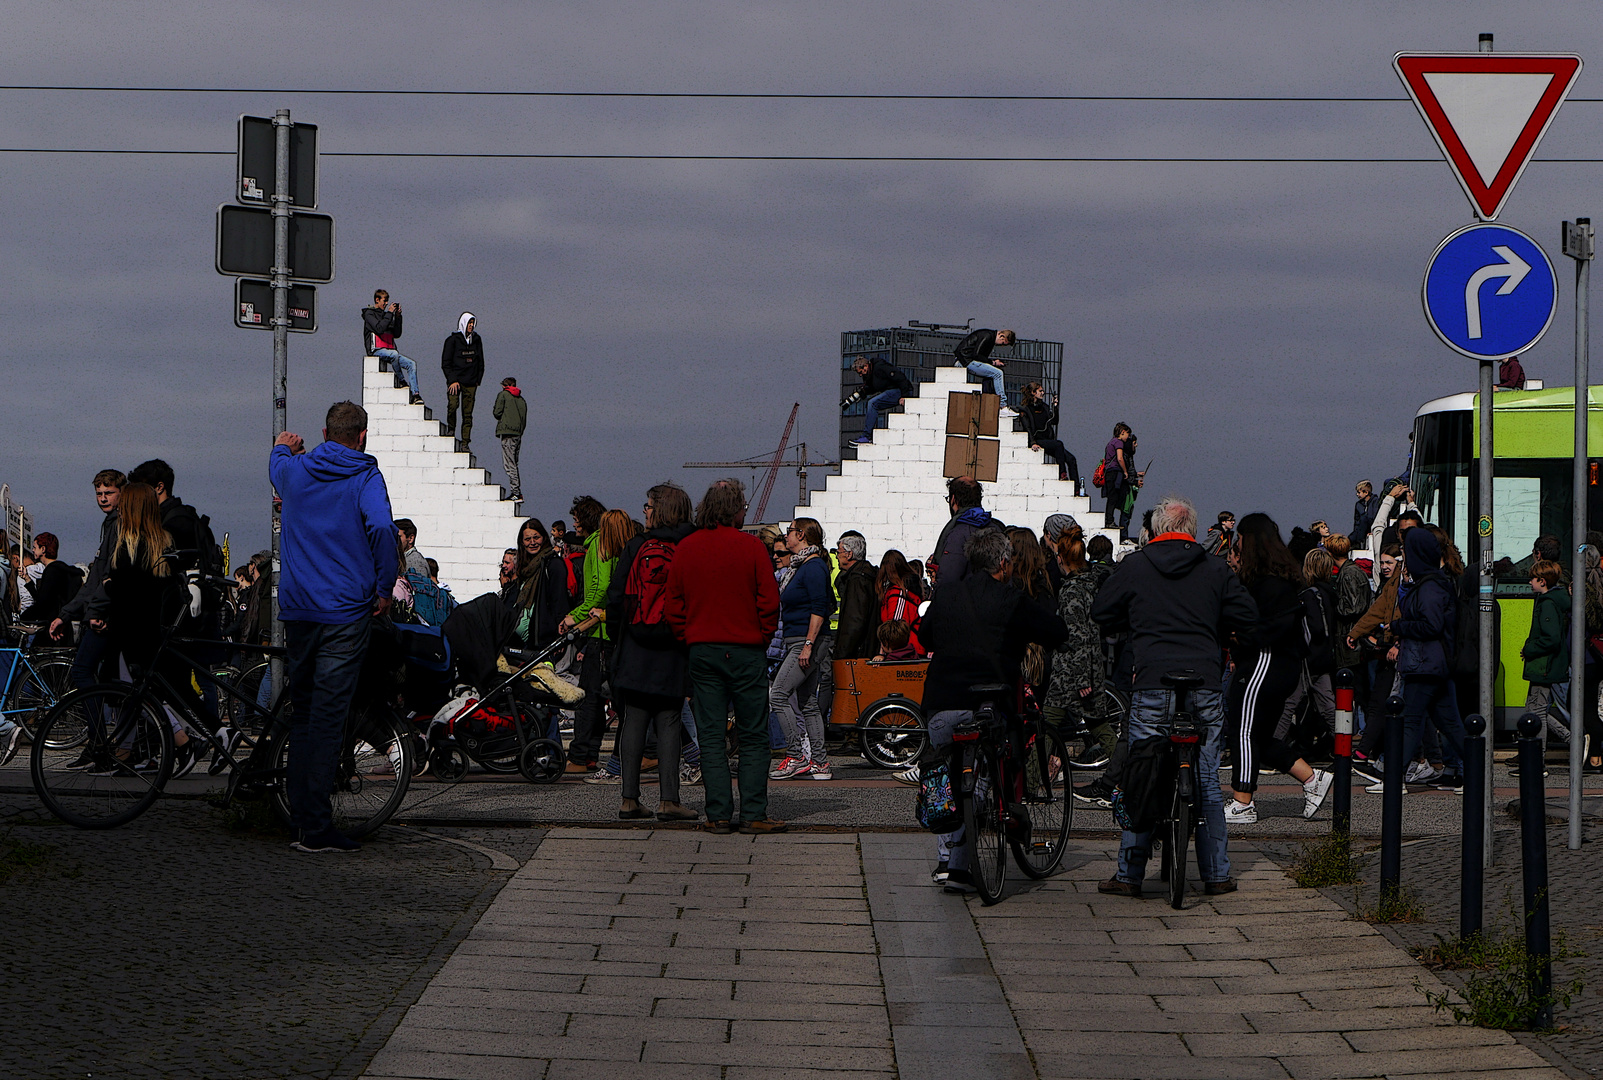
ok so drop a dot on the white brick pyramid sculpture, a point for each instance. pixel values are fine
(461, 519)
(895, 492)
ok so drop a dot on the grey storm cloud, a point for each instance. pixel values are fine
(1258, 324)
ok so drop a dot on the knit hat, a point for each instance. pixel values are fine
(1058, 524)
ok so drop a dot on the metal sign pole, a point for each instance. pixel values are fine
(1578, 246)
(1488, 602)
(281, 270)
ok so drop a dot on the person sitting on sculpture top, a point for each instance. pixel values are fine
(883, 386)
(974, 353)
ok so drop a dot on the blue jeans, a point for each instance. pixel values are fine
(403, 364)
(988, 371)
(1432, 696)
(875, 404)
(1149, 715)
(324, 663)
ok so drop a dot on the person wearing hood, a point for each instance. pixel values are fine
(338, 565)
(511, 413)
(1547, 652)
(650, 670)
(462, 360)
(1178, 605)
(1425, 628)
(949, 564)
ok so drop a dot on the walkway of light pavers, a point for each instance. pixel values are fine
(669, 954)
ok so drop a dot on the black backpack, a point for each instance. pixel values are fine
(1143, 782)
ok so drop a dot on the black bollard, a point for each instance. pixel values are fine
(1471, 879)
(1341, 767)
(1391, 805)
(1533, 855)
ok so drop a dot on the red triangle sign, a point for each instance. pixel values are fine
(1488, 112)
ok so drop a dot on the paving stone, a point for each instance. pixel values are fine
(1427, 1038)
(1143, 1067)
(1412, 1062)
(805, 1033)
(1271, 1044)
(453, 1066)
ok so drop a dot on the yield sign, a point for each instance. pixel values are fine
(1488, 112)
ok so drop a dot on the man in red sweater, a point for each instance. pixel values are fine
(722, 602)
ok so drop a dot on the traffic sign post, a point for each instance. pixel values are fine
(1579, 244)
(276, 174)
(1490, 291)
(1488, 113)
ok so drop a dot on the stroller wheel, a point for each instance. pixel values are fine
(448, 762)
(542, 761)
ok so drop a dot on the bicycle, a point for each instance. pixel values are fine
(35, 681)
(127, 750)
(1013, 781)
(1185, 737)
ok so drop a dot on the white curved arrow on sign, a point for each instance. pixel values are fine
(1512, 267)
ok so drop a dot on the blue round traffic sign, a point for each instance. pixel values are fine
(1490, 291)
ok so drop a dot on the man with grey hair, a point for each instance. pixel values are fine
(1177, 604)
(856, 587)
(978, 628)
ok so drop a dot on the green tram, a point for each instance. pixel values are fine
(1533, 442)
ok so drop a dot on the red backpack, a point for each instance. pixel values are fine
(647, 589)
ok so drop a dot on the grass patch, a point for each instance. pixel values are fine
(18, 856)
(1503, 990)
(1402, 906)
(1326, 860)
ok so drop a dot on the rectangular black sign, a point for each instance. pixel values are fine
(245, 244)
(253, 306)
(258, 146)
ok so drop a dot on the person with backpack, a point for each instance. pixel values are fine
(650, 667)
(1319, 631)
(1114, 475)
(1268, 662)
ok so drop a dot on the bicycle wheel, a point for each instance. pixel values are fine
(983, 827)
(892, 731)
(118, 766)
(1177, 837)
(371, 778)
(1048, 802)
(37, 692)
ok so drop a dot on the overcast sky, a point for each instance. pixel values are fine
(1258, 325)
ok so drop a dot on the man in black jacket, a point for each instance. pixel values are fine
(462, 360)
(1178, 604)
(978, 629)
(91, 599)
(883, 386)
(381, 325)
(974, 353)
(856, 636)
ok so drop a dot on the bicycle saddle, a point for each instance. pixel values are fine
(1184, 679)
(1002, 688)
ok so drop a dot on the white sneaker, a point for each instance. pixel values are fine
(1379, 788)
(1314, 792)
(1007, 414)
(1421, 772)
(906, 776)
(1240, 813)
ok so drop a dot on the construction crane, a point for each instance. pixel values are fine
(772, 463)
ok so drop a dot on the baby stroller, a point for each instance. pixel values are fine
(498, 713)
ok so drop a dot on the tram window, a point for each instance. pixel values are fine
(1533, 502)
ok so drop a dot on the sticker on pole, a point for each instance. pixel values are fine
(1490, 291)
(1488, 112)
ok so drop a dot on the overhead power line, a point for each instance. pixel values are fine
(999, 158)
(1293, 99)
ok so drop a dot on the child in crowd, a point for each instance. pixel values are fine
(895, 642)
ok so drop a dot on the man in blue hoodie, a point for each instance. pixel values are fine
(339, 565)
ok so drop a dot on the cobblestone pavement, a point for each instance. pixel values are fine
(670, 954)
(174, 947)
(1430, 870)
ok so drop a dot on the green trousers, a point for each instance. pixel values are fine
(725, 679)
(1067, 721)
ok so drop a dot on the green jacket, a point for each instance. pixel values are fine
(1547, 660)
(511, 413)
(597, 576)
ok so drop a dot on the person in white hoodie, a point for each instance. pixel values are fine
(462, 361)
